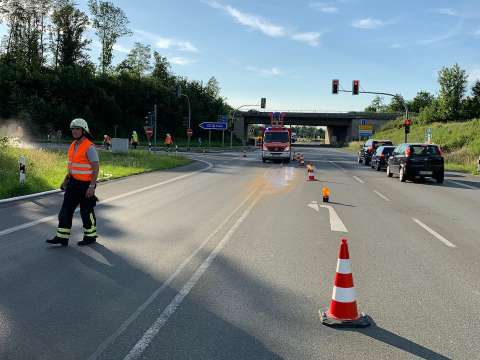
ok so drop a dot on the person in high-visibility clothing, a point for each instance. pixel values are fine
(79, 185)
(134, 139)
(168, 141)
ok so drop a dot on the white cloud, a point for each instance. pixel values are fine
(474, 75)
(179, 60)
(324, 7)
(369, 23)
(268, 28)
(274, 71)
(445, 11)
(121, 49)
(168, 43)
(310, 38)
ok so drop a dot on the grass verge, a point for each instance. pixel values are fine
(46, 168)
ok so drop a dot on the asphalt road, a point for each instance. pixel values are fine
(225, 259)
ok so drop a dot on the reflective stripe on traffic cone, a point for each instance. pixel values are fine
(343, 306)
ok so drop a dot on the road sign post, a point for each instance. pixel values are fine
(209, 138)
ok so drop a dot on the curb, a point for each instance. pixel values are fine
(23, 197)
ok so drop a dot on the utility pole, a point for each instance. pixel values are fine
(155, 139)
(180, 94)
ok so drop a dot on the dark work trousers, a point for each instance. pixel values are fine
(74, 196)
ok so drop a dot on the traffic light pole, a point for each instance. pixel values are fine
(189, 120)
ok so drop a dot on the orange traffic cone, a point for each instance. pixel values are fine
(326, 194)
(343, 306)
(310, 172)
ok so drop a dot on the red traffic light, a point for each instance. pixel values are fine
(408, 122)
(335, 85)
(355, 87)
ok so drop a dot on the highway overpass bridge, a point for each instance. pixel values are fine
(341, 127)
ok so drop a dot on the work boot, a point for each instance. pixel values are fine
(58, 241)
(87, 240)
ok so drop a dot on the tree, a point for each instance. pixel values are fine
(69, 25)
(421, 101)
(453, 83)
(161, 68)
(376, 105)
(110, 23)
(213, 87)
(397, 104)
(138, 60)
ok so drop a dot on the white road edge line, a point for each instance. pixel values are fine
(358, 179)
(111, 339)
(150, 334)
(434, 233)
(52, 217)
(336, 223)
(463, 185)
(381, 195)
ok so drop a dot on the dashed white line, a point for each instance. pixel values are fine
(464, 185)
(358, 179)
(337, 166)
(434, 233)
(381, 195)
(336, 224)
(142, 344)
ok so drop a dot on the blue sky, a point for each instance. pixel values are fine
(288, 51)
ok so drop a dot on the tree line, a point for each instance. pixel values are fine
(453, 103)
(47, 76)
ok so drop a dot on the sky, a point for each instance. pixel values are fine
(289, 51)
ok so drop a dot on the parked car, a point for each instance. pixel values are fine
(367, 150)
(412, 161)
(380, 158)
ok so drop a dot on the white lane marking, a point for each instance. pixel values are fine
(434, 233)
(463, 185)
(336, 223)
(381, 195)
(52, 217)
(30, 196)
(338, 166)
(358, 179)
(150, 334)
(111, 339)
(314, 205)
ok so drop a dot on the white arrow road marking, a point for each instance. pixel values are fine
(434, 233)
(336, 223)
(314, 205)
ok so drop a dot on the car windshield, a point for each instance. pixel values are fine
(424, 150)
(276, 137)
(388, 150)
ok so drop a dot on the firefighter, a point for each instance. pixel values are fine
(134, 139)
(79, 186)
(168, 141)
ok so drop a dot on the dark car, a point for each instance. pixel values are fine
(368, 149)
(412, 161)
(380, 158)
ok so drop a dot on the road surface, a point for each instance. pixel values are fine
(229, 258)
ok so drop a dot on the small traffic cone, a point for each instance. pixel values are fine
(310, 172)
(326, 194)
(343, 310)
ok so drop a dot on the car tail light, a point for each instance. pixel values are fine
(408, 152)
(370, 149)
(287, 148)
(382, 155)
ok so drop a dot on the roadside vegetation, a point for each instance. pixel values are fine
(46, 169)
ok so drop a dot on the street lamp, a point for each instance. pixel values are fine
(180, 94)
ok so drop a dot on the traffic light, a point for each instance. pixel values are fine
(355, 87)
(406, 125)
(335, 85)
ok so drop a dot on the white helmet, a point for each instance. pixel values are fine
(79, 123)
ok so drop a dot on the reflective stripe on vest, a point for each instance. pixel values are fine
(78, 164)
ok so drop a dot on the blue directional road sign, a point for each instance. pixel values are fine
(213, 125)
(223, 118)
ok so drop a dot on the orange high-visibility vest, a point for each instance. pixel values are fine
(78, 165)
(168, 140)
